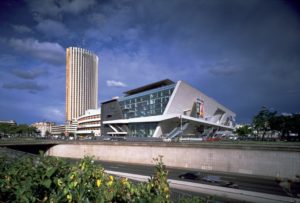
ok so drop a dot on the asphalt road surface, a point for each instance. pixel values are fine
(245, 182)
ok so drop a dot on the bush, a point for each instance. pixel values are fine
(50, 179)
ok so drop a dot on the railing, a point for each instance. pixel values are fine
(178, 131)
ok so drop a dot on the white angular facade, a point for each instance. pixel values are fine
(165, 109)
(195, 109)
(81, 82)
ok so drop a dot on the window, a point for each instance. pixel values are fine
(149, 103)
(142, 129)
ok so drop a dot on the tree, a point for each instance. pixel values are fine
(4, 128)
(280, 123)
(32, 130)
(261, 121)
(22, 129)
(47, 134)
(294, 126)
(286, 124)
(244, 130)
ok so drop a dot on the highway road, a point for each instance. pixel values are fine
(245, 182)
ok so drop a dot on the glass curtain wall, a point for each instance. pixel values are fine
(142, 129)
(148, 103)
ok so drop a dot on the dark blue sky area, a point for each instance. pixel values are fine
(245, 54)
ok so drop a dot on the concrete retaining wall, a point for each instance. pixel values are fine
(235, 160)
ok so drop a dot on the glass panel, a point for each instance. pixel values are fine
(142, 129)
(149, 103)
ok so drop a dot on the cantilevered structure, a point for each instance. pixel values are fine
(164, 109)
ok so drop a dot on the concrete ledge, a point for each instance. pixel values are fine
(257, 162)
(272, 146)
(229, 193)
(215, 145)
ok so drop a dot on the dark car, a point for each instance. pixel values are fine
(229, 184)
(212, 179)
(190, 176)
(216, 180)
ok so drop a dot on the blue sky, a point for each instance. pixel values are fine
(245, 54)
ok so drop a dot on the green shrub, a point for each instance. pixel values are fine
(50, 179)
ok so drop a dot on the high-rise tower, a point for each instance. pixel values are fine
(81, 82)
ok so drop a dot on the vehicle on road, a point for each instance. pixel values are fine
(190, 176)
(229, 184)
(211, 179)
(218, 181)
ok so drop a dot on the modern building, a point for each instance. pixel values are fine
(89, 123)
(71, 127)
(58, 130)
(43, 127)
(164, 109)
(81, 82)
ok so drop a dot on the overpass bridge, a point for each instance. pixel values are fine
(33, 146)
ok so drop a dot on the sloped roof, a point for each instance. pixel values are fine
(149, 87)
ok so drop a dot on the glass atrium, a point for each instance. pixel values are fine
(149, 103)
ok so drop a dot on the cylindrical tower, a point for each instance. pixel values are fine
(81, 82)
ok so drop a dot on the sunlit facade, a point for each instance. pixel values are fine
(81, 82)
(164, 109)
(58, 130)
(89, 123)
(43, 127)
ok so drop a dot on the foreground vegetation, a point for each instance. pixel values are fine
(49, 179)
(12, 130)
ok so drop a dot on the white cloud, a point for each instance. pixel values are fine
(28, 85)
(48, 51)
(52, 113)
(54, 8)
(128, 66)
(76, 6)
(113, 83)
(133, 69)
(52, 28)
(29, 74)
(21, 28)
